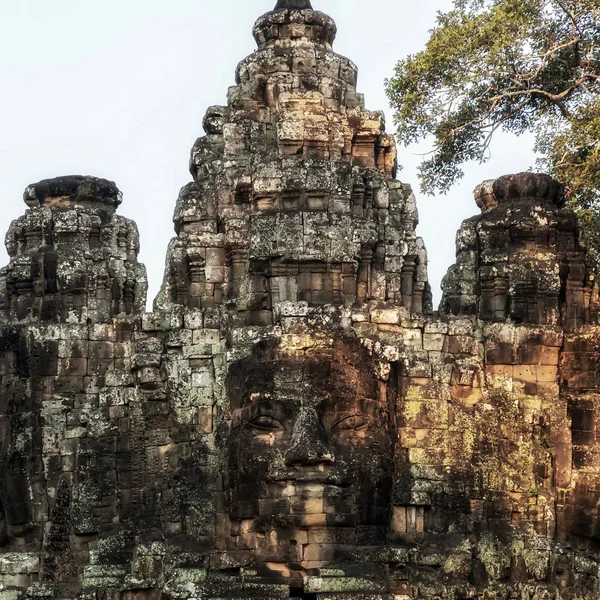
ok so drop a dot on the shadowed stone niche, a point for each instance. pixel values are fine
(293, 419)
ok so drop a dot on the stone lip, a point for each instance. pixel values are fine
(529, 186)
(73, 189)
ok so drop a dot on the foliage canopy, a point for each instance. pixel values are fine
(512, 65)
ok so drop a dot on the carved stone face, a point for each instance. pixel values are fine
(146, 366)
(310, 453)
(213, 120)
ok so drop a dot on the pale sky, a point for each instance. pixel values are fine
(118, 89)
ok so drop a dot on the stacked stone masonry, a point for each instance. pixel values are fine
(293, 419)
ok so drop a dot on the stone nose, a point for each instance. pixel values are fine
(309, 442)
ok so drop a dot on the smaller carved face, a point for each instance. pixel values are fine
(213, 120)
(311, 447)
(146, 366)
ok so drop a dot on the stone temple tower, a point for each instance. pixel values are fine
(293, 419)
(294, 196)
(71, 257)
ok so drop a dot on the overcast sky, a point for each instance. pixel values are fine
(118, 89)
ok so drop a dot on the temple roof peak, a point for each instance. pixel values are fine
(293, 5)
(292, 20)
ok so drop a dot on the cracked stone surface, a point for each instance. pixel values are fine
(293, 419)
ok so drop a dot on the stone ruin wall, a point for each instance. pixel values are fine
(293, 419)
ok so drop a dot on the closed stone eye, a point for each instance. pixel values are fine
(351, 423)
(266, 423)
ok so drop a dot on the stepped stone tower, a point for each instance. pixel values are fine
(523, 259)
(72, 257)
(293, 419)
(294, 196)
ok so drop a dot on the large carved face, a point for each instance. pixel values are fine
(310, 453)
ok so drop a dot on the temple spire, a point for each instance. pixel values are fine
(293, 5)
